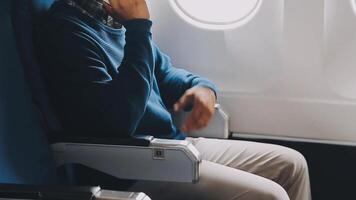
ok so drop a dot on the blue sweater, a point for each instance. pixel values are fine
(110, 82)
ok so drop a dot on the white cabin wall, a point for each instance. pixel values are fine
(289, 71)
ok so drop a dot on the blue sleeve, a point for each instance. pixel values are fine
(94, 100)
(173, 82)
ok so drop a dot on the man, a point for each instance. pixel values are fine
(107, 78)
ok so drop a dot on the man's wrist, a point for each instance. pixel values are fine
(208, 90)
(211, 90)
(138, 25)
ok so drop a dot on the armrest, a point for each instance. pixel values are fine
(142, 141)
(218, 127)
(26, 192)
(160, 160)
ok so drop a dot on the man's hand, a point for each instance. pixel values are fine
(203, 101)
(125, 10)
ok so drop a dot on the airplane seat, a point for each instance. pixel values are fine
(25, 14)
(133, 159)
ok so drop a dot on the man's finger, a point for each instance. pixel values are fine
(200, 122)
(198, 119)
(193, 122)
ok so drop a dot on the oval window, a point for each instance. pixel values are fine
(216, 14)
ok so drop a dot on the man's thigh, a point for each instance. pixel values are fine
(274, 162)
(217, 182)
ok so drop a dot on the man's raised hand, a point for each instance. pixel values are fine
(203, 101)
(125, 10)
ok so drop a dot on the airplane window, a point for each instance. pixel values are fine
(216, 14)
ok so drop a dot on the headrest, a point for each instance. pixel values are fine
(25, 14)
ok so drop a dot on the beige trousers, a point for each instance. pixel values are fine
(239, 170)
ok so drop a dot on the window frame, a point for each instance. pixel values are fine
(205, 24)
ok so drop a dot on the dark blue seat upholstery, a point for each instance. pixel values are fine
(24, 153)
(25, 15)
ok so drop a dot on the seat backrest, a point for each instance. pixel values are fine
(25, 16)
(25, 156)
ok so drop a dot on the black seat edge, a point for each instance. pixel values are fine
(14, 191)
(143, 142)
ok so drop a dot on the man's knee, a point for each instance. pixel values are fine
(277, 194)
(271, 192)
(295, 165)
